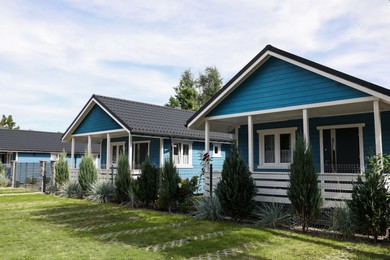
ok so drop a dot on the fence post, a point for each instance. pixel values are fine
(13, 173)
(43, 176)
(112, 174)
(211, 180)
(53, 173)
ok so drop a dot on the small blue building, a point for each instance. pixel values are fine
(140, 130)
(278, 95)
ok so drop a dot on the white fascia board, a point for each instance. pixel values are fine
(333, 77)
(292, 108)
(232, 86)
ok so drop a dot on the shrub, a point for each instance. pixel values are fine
(236, 189)
(168, 191)
(208, 208)
(273, 215)
(187, 188)
(303, 191)
(71, 190)
(62, 169)
(123, 179)
(87, 172)
(102, 192)
(146, 186)
(370, 202)
(3, 178)
(342, 221)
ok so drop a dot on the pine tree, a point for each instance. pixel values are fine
(123, 179)
(168, 192)
(236, 190)
(303, 191)
(62, 170)
(147, 187)
(371, 200)
(87, 172)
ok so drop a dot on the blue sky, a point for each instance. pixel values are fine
(55, 54)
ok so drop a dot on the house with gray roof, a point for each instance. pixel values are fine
(140, 130)
(26, 146)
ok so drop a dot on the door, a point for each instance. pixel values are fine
(341, 150)
(141, 150)
(116, 152)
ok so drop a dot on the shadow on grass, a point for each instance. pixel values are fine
(322, 241)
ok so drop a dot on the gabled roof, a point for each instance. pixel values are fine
(270, 51)
(36, 141)
(145, 119)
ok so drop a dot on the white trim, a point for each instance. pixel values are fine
(72, 162)
(206, 136)
(161, 152)
(100, 132)
(293, 108)
(89, 146)
(250, 143)
(322, 162)
(306, 134)
(108, 152)
(181, 165)
(276, 132)
(130, 152)
(361, 148)
(117, 144)
(378, 128)
(341, 126)
(236, 133)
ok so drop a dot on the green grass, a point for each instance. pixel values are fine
(14, 190)
(46, 227)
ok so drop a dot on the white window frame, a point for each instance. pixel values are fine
(118, 144)
(135, 151)
(276, 132)
(54, 156)
(219, 150)
(181, 165)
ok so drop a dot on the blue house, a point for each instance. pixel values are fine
(140, 130)
(278, 95)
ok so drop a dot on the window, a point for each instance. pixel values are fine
(182, 154)
(141, 150)
(54, 157)
(116, 150)
(276, 147)
(216, 150)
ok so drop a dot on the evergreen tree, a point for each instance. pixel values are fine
(87, 172)
(236, 190)
(147, 184)
(303, 191)
(168, 192)
(62, 170)
(371, 199)
(208, 84)
(123, 179)
(8, 122)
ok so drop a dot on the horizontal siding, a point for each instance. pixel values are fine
(280, 84)
(33, 157)
(96, 120)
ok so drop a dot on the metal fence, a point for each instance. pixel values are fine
(28, 175)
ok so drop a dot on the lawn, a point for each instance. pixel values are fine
(41, 226)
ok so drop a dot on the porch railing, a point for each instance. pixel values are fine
(272, 186)
(103, 174)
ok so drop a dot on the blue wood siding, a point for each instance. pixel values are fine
(33, 157)
(97, 120)
(280, 84)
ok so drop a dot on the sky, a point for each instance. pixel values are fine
(54, 55)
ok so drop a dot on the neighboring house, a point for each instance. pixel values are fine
(140, 130)
(25, 146)
(278, 95)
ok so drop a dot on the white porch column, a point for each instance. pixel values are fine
(161, 152)
(130, 151)
(250, 143)
(306, 126)
(108, 152)
(236, 135)
(378, 128)
(72, 166)
(89, 149)
(206, 136)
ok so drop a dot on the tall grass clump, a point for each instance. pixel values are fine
(341, 221)
(62, 169)
(236, 190)
(208, 208)
(87, 172)
(71, 190)
(102, 192)
(303, 191)
(168, 191)
(273, 215)
(123, 180)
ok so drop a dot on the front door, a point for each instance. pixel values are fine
(116, 150)
(341, 150)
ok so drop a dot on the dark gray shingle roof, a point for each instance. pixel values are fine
(36, 141)
(147, 119)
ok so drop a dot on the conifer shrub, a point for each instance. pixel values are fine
(62, 169)
(3, 178)
(123, 179)
(236, 190)
(303, 191)
(146, 186)
(168, 191)
(87, 172)
(370, 202)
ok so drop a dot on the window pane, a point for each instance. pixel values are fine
(176, 153)
(285, 148)
(113, 155)
(186, 154)
(269, 149)
(216, 150)
(140, 153)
